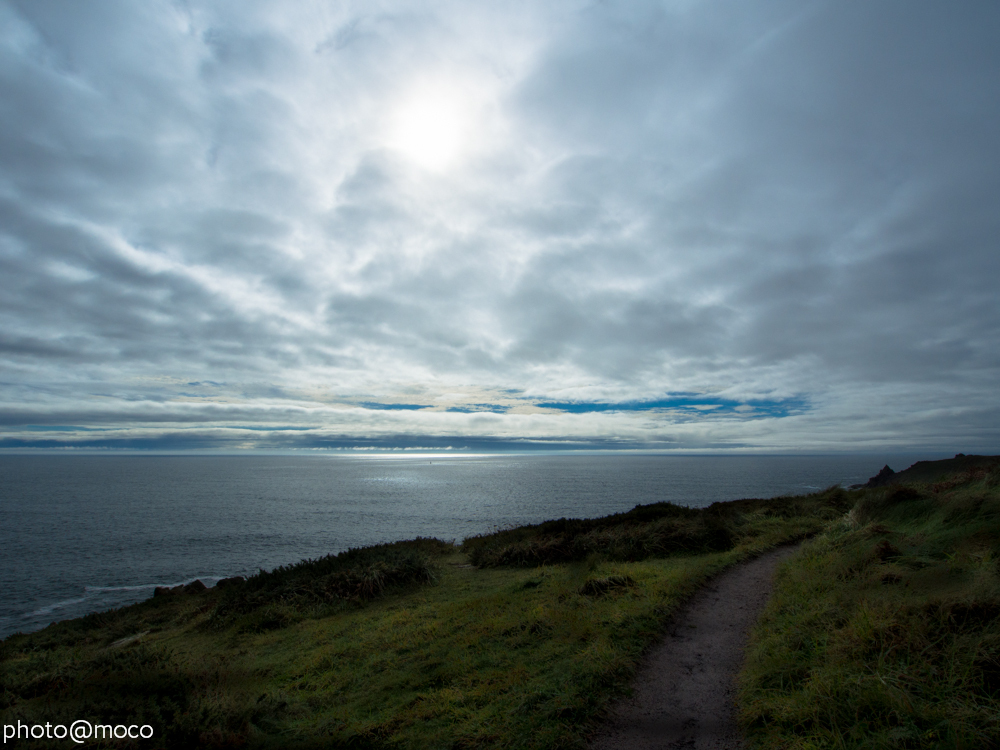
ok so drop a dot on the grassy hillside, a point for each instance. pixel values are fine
(407, 645)
(884, 632)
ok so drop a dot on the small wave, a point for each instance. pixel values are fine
(94, 592)
(53, 607)
(145, 586)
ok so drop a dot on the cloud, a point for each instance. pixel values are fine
(210, 234)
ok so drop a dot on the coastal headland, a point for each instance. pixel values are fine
(883, 631)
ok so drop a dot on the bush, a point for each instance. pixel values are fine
(625, 541)
(355, 575)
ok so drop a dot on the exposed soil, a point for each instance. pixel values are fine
(684, 693)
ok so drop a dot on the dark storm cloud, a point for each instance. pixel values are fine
(221, 221)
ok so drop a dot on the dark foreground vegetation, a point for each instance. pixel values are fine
(885, 630)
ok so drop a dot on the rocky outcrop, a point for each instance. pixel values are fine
(884, 477)
(227, 582)
(192, 588)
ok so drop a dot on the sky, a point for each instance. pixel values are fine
(737, 225)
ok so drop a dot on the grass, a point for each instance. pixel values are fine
(407, 645)
(884, 632)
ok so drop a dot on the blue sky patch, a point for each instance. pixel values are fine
(692, 404)
(59, 428)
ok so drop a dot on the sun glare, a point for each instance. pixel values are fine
(431, 129)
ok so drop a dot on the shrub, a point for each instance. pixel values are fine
(355, 575)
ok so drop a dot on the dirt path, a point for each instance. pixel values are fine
(684, 693)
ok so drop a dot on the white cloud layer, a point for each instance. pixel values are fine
(763, 225)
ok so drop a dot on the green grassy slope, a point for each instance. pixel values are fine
(884, 632)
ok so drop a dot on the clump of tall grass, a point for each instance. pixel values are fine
(884, 632)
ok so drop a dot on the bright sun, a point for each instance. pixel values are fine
(431, 128)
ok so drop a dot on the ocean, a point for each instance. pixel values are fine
(82, 534)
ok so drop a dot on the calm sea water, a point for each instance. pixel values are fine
(81, 534)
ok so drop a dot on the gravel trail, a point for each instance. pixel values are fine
(685, 690)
